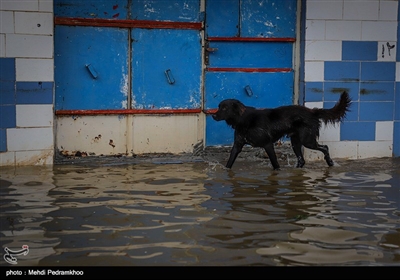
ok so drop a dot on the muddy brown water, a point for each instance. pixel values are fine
(199, 213)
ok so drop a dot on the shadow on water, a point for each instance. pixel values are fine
(199, 213)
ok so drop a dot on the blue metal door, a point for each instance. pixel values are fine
(91, 68)
(166, 62)
(249, 56)
(113, 57)
(146, 57)
(166, 69)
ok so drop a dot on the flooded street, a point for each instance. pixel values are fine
(201, 214)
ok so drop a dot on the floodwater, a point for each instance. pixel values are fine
(201, 214)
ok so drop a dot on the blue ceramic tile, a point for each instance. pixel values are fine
(333, 90)
(7, 69)
(377, 91)
(397, 102)
(376, 111)
(7, 93)
(34, 93)
(329, 104)
(378, 71)
(3, 140)
(398, 34)
(359, 50)
(314, 91)
(361, 131)
(7, 116)
(396, 139)
(342, 71)
(351, 115)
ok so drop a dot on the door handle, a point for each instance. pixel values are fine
(211, 49)
(170, 78)
(248, 90)
(208, 50)
(92, 71)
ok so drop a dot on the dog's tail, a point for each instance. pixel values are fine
(337, 113)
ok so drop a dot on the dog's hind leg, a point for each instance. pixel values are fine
(322, 148)
(296, 146)
(269, 148)
(327, 157)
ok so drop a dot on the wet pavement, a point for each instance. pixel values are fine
(191, 211)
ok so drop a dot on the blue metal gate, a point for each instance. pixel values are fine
(91, 68)
(149, 57)
(249, 56)
(166, 69)
(127, 56)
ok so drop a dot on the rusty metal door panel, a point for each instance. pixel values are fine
(260, 90)
(166, 69)
(222, 18)
(181, 10)
(105, 9)
(91, 68)
(268, 18)
(251, 18)
(250, 54)
(253, 89)
(218, 133)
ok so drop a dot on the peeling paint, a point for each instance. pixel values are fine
(268, 24)
(96, 139)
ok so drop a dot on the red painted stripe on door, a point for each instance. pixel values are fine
(128, 23)
(250, 39)
(259, 70)
(127, 112)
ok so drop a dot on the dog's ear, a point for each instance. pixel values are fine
(242, 109)
(239, 107)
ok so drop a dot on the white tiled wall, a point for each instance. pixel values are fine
(397, 71)
(32, 46)
(360, 10)
(379, 31)
(325, 10)
(328, 23)
(2, 45)
(384, 131)
(33, 23)
(314, 71)
(30, 139)
(26, 34)
(388, 9)
(343, 30)
(37, 69)
(323, 50)
(338, 20)
(43, 115)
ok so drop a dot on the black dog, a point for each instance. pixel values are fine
(263, 127)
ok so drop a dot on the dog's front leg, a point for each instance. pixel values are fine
(236, 149)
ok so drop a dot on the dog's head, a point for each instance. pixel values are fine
(229, 110)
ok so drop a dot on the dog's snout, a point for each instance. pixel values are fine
(216, 117)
